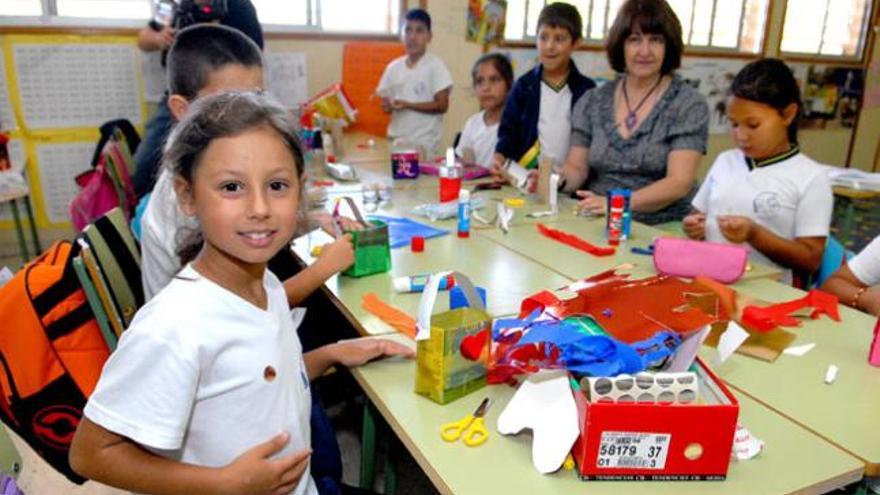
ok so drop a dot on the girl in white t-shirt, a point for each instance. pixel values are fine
(857, 283)
(208, 390)
(765, 193)
(493, 77)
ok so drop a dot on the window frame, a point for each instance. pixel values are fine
(869, 32)
(52, 23)
(689, 50)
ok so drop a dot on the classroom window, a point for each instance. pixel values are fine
(104, 9)
(376, 16)
(823, 27)
(21, 7)
(727, 25)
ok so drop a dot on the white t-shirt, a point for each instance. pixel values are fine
(866, 265)
(791, 198)
(554, 124)
(189, 378)
(416, 84)
(479, 138)
(163, 226)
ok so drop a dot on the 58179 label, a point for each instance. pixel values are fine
(629, 449)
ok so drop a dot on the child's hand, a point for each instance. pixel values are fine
(327, 224)
(694, 226)
(254, 473)
(357, 352)
(386, 105)
(735, 228)
(532, 182)
(591, 203)
(399, 104)
(337, 256)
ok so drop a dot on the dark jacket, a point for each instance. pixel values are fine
(518, 130)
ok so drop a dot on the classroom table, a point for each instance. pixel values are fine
(845, 412)
(511, 267)
(793, 461)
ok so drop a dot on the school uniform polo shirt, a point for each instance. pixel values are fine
(790, 196)
(554, 123)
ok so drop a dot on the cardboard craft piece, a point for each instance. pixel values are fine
(764, 346)
(544, 404)
(630, 310)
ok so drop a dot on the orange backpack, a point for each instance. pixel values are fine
(51, 354)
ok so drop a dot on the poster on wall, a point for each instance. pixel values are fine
(712, 78)
(830, 95)
(485, 21)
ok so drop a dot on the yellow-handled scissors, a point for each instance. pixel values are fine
(471, 429)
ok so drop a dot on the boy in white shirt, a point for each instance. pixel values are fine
(415, 89)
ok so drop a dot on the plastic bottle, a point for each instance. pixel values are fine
(450, 178)
(464, 213)
(417, 283)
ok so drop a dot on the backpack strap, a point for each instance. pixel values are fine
(128, 130)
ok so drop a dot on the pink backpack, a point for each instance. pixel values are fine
(108, 184)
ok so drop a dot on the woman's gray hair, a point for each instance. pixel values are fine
(218, 116)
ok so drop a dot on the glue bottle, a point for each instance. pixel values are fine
(464, 213)
(450, 178)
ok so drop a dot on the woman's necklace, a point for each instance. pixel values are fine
(631, 119)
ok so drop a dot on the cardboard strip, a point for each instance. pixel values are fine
(574, 241)
(394, 317)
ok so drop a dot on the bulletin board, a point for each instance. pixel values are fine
(55, 91)
(362, 66)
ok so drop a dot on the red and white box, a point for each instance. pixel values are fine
(658, 442)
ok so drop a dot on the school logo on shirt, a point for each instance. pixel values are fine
(766, 204)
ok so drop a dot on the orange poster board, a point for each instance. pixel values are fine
(362, 65)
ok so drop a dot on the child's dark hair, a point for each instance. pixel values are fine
(218, 116)
(419, 15)
(501, 63)
(562, 15)
(650, 17)
(201, 49)
(771, 82)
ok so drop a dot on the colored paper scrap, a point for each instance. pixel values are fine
(574, 241)
(394, 317)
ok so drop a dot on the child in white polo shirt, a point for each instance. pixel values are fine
(208, 391)
(415, 89)
(493, 77)
(765, 193)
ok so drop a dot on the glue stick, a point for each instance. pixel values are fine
(615, 219)
(464, 213)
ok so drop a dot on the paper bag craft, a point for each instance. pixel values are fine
(332, 103)
(443, 373)
(372, 251)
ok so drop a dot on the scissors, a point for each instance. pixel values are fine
(471, 428)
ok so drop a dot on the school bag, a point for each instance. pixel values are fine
(51, 354)
(108, 183)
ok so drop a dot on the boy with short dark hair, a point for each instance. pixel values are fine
(415, 88)
(538, 109)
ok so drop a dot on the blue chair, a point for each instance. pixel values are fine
(834, 257)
